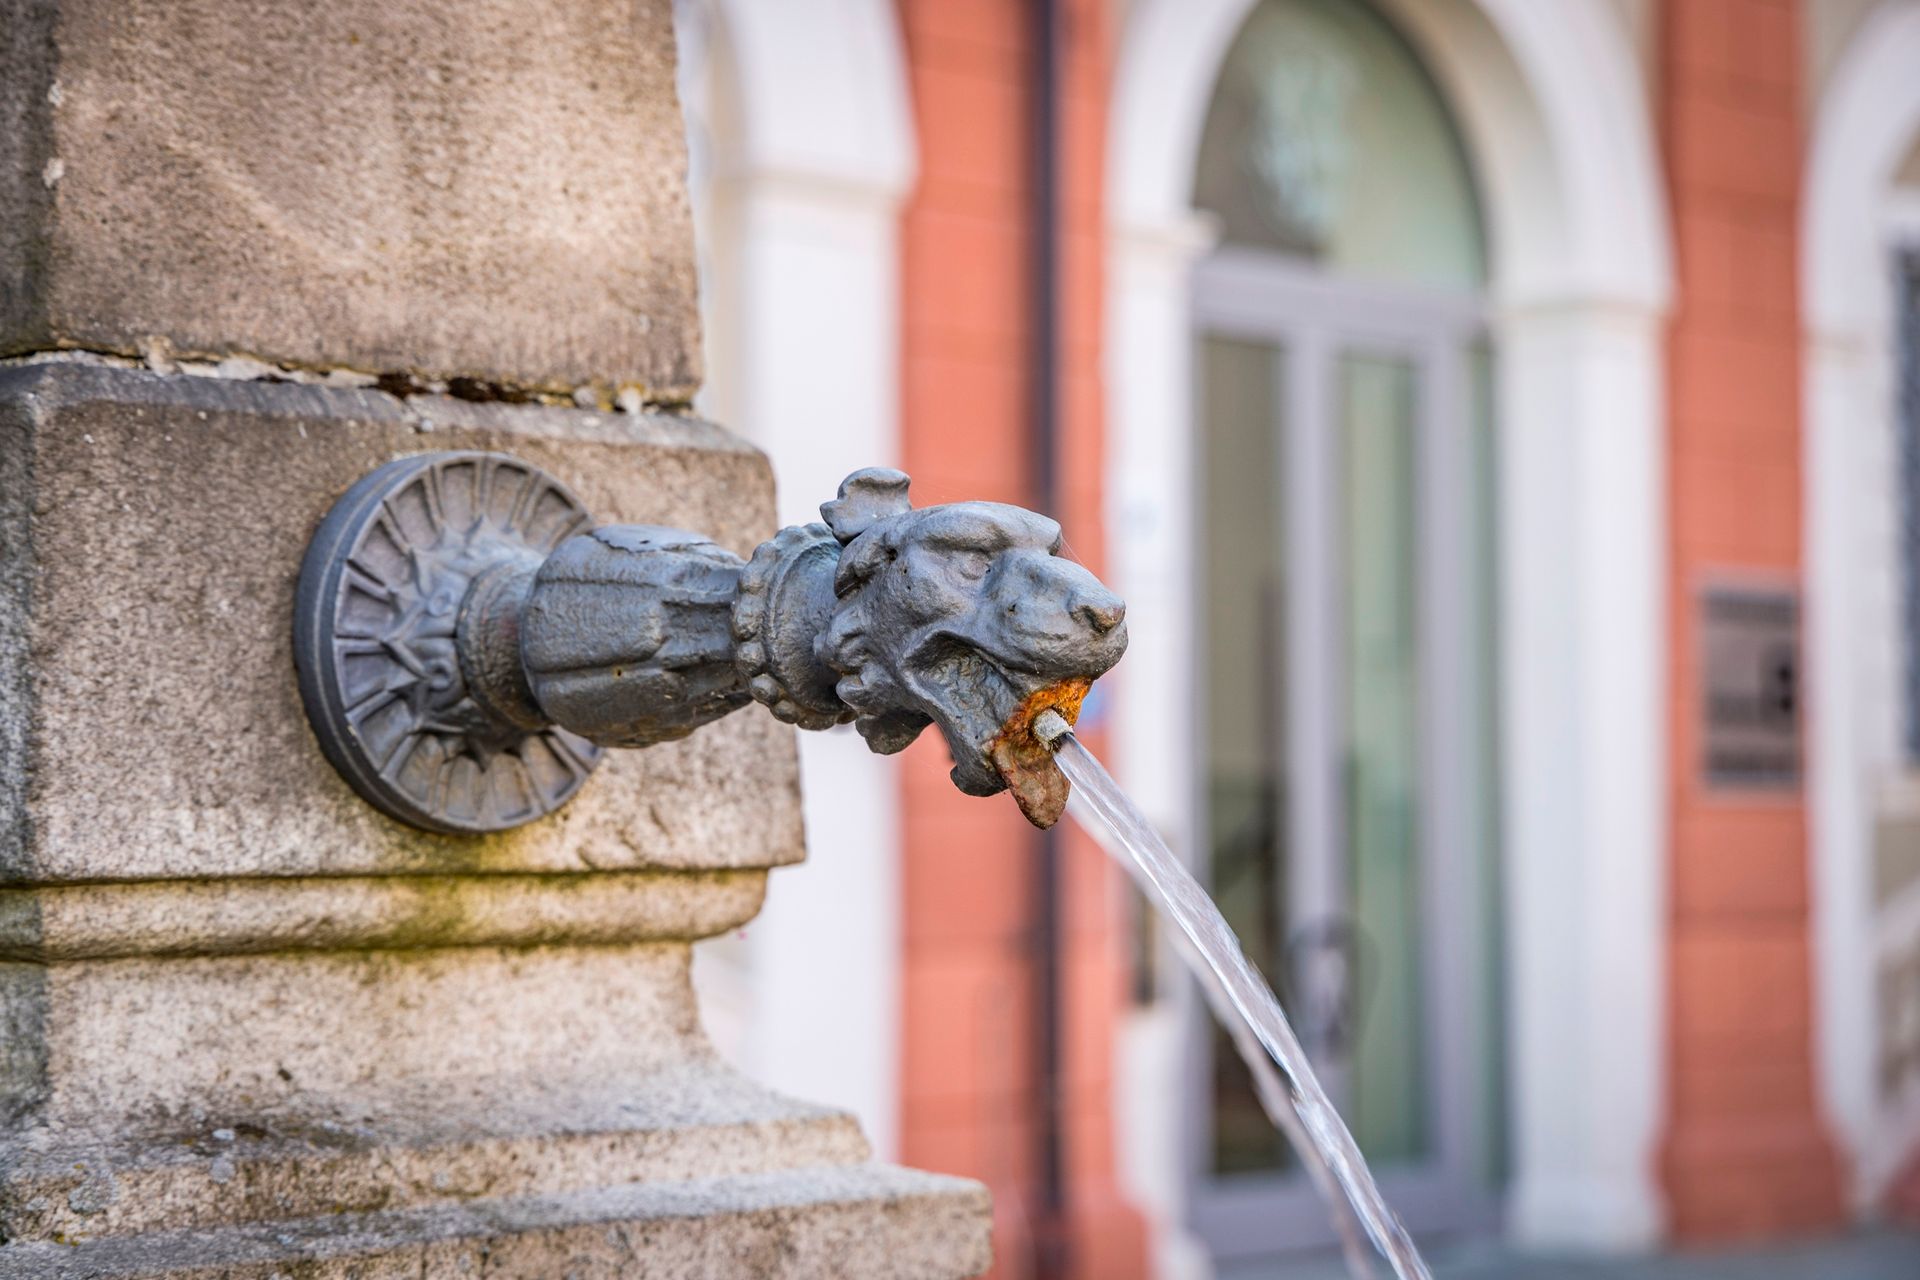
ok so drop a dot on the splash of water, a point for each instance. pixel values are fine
(1100, 806)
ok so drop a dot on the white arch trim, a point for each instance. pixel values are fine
(813, 155)
(1867, 118)
(1555, 112)
(823, 87)
(1573, 173)
(1866, 121)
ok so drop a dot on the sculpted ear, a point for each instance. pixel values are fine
(866, 497)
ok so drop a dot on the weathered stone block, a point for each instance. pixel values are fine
(492, 189)
(812, 1224)
(215, 1115)
(150, 726)
(250, 1027)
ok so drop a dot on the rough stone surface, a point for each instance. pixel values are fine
(492, 189)
(248, 1026)
(150, 726)
(241, 916)
(859, 1221)
(375, 1081)
(188, 1045)
(672, 1132)
(364, 1104)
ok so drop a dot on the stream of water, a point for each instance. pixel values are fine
(1245, 1003)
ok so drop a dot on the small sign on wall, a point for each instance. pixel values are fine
(1750, 682)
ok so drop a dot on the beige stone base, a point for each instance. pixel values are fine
(248, 1026)
(461, 1112)
(864, 1220)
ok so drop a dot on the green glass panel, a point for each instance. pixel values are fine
(1327, 139)
(1245, 666)
(1492, 1157)
(1376, 398)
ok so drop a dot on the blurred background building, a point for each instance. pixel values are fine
(1503, 419)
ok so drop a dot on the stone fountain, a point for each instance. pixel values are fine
(330, 335)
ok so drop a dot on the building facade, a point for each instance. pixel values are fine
(1503, 419)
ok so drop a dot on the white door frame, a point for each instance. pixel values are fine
(810, 146)
(1867, 117)
(1554, 106)
(1310, 318)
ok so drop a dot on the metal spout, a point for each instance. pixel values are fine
(464, 671)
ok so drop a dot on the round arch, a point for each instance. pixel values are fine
(1867, 118)
(1554, 106)
(804, 117)
(1550, 97)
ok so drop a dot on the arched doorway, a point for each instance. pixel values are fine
(1346, 619)
(1551, 105)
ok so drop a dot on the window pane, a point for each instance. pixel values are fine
(1245, 670)
(1492, 1157)
(1327, 139)
(1907, 339)
(1376, 399)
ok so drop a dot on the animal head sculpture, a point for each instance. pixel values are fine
(964, 616)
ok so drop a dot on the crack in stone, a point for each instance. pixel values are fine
(157, 357)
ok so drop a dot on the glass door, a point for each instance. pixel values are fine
(1344, 706)
(1377, 868)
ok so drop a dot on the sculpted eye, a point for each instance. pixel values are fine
(972, 565)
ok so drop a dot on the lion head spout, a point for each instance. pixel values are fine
(964, 616)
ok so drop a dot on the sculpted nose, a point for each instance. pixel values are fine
(1100, 611)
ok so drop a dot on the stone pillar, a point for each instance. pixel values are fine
(248, 252)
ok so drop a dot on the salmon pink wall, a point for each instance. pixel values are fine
(968, 1104)
(1746, 1153)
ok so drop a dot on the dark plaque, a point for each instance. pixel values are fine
(1750, 675)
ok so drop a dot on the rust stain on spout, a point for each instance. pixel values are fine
(1025, 763)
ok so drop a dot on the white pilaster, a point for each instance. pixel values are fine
(809, 151)
(1584, 750)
